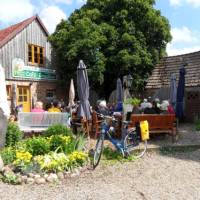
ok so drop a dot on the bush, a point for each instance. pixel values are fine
(37, 146)
(58, 129)
(8, 155)
(13, 134)
(59, 143)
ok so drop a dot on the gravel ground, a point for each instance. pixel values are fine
(155, 176)
(169, 176)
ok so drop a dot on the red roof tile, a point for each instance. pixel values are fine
(8, 33)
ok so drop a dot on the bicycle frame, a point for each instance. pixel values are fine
(106, 129)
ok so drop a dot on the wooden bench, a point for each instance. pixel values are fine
(158, 123)
(40, 121)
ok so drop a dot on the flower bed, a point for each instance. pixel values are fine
(54, 155)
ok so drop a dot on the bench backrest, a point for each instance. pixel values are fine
(42, 119)
(156, 121)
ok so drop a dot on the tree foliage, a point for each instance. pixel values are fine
(113, 38)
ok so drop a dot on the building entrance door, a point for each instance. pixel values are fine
(23, 97)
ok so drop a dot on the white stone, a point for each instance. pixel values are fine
(60, 175)
(40, 180)
(30, 180)
(52, 178)
(6, 169)
(31, 175)
(45, 176)
(24, 178)
(37, 176)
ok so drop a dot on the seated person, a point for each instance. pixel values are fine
(38, 107)
(102, 108)
(156, 107)
(149, 109)
(166, 108)
(54, 107)
(143, 105)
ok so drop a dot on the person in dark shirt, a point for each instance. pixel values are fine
(149, 109)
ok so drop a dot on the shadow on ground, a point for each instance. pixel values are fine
(188, 141)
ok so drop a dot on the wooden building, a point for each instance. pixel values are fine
(159, 81)
(25, 54)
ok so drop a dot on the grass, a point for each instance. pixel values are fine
(111, 156)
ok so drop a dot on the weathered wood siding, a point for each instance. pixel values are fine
(18, 47)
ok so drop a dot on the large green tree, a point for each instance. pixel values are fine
(113, 38)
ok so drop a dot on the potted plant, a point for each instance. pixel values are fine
(135, 102)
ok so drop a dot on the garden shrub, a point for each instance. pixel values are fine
(80, 142)
(13, 134)
(23, 159)
(56, 161)
(59, 143)
(60, 161)
(58, 129)
(8, 155)
(37, 145)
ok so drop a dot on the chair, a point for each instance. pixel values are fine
(96, 124)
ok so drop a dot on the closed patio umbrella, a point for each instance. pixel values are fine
(119, 90)
(3, 97)
(180, 93)
(71, 94)
(173, 91)
(83, 91)
(119, 94)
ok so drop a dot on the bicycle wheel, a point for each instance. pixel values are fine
(134, 145)
(98, 151)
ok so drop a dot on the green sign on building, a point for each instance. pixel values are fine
(28, 72)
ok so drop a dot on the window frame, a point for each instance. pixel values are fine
(35, 56)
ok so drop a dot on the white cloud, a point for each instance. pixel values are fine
(68, 2)
(173, 51)
(175, 2)
(183, 34)
(51, 16)
(183, 41)
(12, 11)
(195, 3)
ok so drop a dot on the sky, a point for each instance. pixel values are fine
(183, 16)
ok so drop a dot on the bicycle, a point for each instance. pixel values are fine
(130, 142)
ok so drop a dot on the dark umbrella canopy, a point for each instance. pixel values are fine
(83, 91)
(119, 90)
(180, 93)
(173, 90)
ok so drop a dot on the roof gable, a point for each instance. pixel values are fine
(8, 33)
(162, 72)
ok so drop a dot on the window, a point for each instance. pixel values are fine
(50, 94)
(8, 90)
(22, 94)
(35, 54)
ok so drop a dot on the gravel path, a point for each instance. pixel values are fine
(172, 176)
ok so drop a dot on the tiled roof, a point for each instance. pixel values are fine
(8, 33)
(162, 72)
